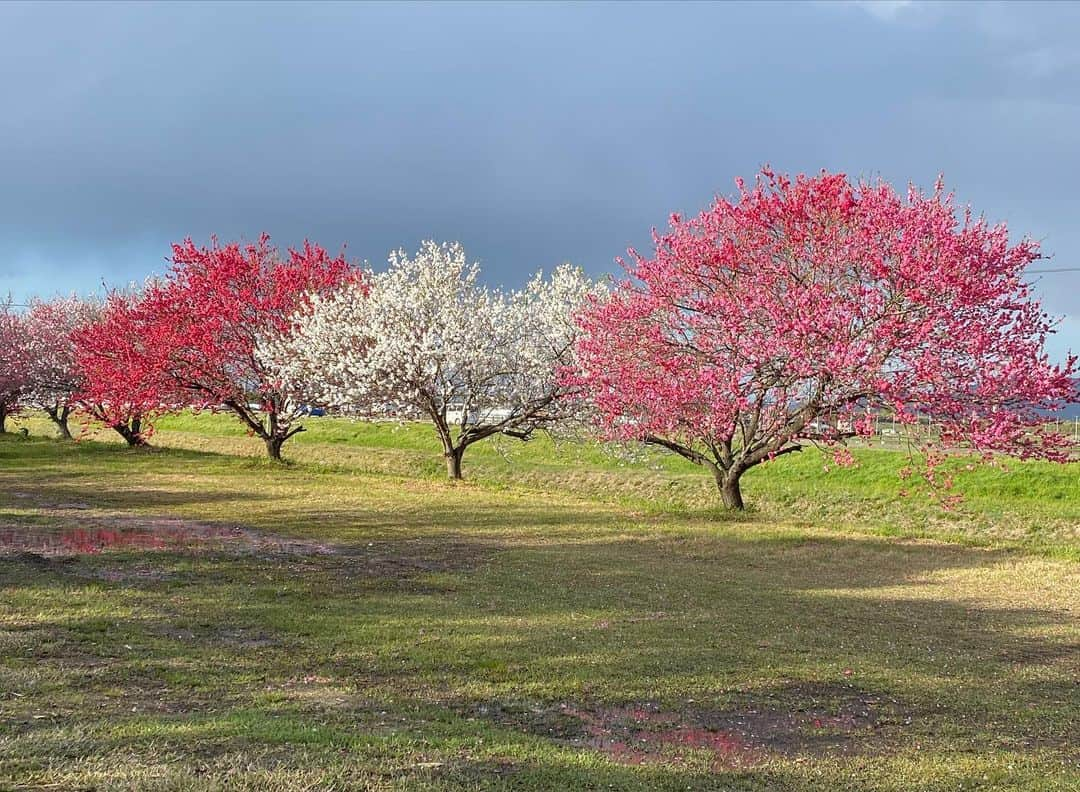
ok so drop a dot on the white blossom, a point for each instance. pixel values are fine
(425, 339)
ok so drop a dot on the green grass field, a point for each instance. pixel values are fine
(192, 617)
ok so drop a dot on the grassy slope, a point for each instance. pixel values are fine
(464, 630)
(1034, 505)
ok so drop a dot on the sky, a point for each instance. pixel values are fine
(533, 133)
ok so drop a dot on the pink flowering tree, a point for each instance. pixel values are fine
(14, 361)
(54, 374)
(802, 308)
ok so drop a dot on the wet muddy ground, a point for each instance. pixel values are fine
(801, 720)
(78, 529)
(102, 534)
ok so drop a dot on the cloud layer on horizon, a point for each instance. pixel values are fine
(533, 133)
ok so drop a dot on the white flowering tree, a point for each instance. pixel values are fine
(54, 376)
(425, 340)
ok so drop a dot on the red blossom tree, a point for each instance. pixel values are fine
(803, 307)
(118, 387)
(211, 311)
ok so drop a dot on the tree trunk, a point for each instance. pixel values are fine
(132, 432)
(63, 428)
(3, 419)
(59, 416)
(730, 494)
(273, 447)
(453, 462)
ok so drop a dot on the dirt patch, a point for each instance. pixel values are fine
(481, 773)
(141, 573)
(799, 720)
(404, 560)
(240, 638)
(640, 735)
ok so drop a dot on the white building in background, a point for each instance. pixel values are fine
(477, 416)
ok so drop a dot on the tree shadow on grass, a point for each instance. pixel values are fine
(583, 625)
(534, 610)
(41, 449)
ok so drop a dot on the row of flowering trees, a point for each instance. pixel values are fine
(263, 335)
(184, 340)
(790, 314)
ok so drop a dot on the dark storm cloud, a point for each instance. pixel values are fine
(533, 133)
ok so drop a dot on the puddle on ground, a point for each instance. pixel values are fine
(83, 533)
(82, 541)
(94, 540)
(101, 534)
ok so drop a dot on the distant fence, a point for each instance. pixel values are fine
(894, 434)
(1070, 427)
